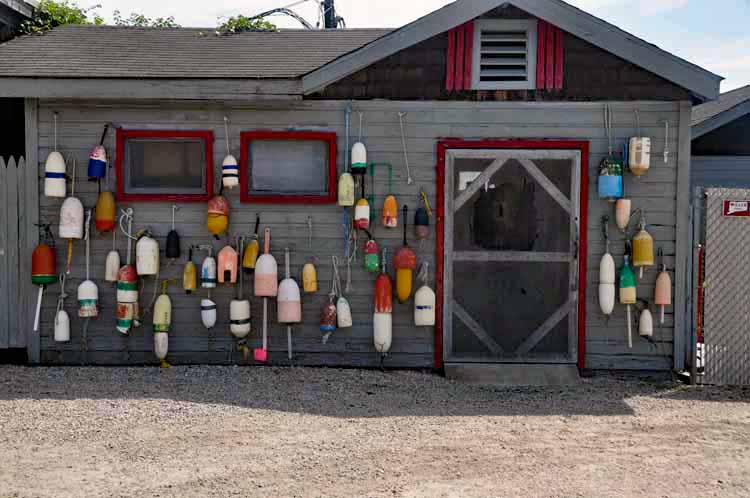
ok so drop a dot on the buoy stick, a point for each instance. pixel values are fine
(289, 340)
(641, 273)
(38, 308)
(265, 324)
(630, 329)
(661, 318)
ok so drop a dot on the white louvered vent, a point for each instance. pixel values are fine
(504, 55)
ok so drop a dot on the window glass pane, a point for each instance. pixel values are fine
(172, 165)
(288, 167)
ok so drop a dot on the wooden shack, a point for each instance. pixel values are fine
(503, 111)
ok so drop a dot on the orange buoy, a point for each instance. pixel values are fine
(405, 262)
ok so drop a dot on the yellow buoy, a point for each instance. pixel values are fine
(190, 274)
(309, 278)
(218, 215)
(643, 247)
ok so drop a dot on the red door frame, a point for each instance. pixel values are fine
(455, 143)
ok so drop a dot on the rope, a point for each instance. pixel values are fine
(666, 141)
(335, 282)
(638, 122)
(226, 132)
(608, 126)
(348, 120)
(88, 229)
(423, 272)
(61, 298)
(55, 118)
(360, 126)
(403, 142)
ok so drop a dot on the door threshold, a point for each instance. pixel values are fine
(513, 374)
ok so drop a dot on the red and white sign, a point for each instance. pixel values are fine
(739, 209)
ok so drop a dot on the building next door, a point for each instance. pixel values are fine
(511, 244)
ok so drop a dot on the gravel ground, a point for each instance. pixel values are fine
(225, 431)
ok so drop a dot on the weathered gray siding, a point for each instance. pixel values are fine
(80, 124)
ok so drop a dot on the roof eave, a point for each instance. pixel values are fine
(721, 119)
(702, 83)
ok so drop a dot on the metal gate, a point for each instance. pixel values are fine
(12, 236)
(511, 244)
(724, 354)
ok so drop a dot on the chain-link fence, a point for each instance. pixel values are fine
(725, 321)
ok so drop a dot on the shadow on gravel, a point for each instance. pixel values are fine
(716, 394)
(339, 393)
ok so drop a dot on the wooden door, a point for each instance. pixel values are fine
(511, 249)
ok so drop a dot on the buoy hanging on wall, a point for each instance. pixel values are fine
(622, 213)
(147, 255)
(372, 254)
(208, 313)
(607, 275)
(173, 250)
(218, 216)
(383, 316)
(359, 153)
(346, 180)
(54, 171)
(190, 274)
(230, 169)
(62, 319)
(88, 292)
(252, 250)
(227, 265)
(362, 210)
(162, 322)
(663, 291)
(309, 271)
(405, 262)
(628, 291)
(239, 310)
(208, 269)
(424, 301)
(98, 159)
(639, 151)
(290, 303)
(646, 323)
(643, 247)
(43, 267)
(266, 270)
(127, 282)
(610, 171)
(422, 218)
(71, 220)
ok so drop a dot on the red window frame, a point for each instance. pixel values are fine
(248, 136)
(444, 145)
(123, 135)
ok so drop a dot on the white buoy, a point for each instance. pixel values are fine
(239, 308)
(147, 256)
(230, 169)
(162, 322)
(424, 301)
(208, 270)
(62, 320)
(646, 324)
(88, 292)
(54, 171)
(112, 264)
(208, 313)
(290, 302)
(607, 275)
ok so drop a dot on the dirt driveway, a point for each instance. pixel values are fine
(265, 432)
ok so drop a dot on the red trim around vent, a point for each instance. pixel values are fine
(450, 63)
(123, 135)
(454, 143)
(550, 57)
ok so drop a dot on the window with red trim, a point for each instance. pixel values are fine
(164, 166)
(288, 167)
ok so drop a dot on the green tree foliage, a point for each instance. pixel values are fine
(142, 21)
(241, 24)
(50, 14)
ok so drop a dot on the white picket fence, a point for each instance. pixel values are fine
(13, 232)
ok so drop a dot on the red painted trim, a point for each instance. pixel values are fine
(247, 136)
(450, 63)
(460, 55)
(541, 57)
(559, 59)
(457, 143)
(549, 72)
(123, 135)
(469, 57)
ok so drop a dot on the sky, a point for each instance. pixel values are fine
(697, 30)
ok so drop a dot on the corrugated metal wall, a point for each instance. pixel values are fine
(80, 124)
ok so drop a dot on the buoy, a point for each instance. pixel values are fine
(663, 291)
(422, 218)
(643, 247)
(218, 215)
(54, 171)
(290, 303)
(328, 318)
(383, 316)
(98, 159)
(405, 262)
(372, 254)
(362, 210)
(106, 212)
(88, 292)
(162, 322)
(71, 220)
(208, 269)
(227, 261)
(173, 250)
(230, 169)
(240, 323)
(112, 264)
(622, 213)
(147, 255)
(266, 270)
(646, 323)
(389, 215)
(346, 180)
(628, 290)
(127, 282)
(43, 267)
(62, 319)
(309, 272)
(190, 274)
(343, 310)
(610, 171)
(424, 301)
(639, 151)
(359, 153)
(252, 250)
(607, 275)
(208, 313)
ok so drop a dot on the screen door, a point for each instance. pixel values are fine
(511, 256)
